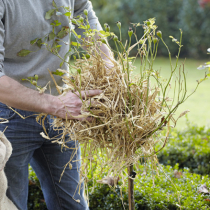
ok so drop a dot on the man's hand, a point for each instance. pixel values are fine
(65, 106)
(68, 106)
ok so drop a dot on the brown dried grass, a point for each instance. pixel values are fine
(124, 117)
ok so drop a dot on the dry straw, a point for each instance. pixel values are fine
(124, 117)
(127, 116)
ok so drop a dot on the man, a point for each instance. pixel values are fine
(20, 22)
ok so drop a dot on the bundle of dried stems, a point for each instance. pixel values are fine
(124, 117)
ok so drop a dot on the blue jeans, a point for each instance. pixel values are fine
(46, 159)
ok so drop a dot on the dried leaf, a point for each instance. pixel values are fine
(44, 136)
(177, 174)
(110, 180)
(183, 113)
(203, 189)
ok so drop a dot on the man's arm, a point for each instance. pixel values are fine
(16, 95)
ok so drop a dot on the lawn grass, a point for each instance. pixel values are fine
(199, 102)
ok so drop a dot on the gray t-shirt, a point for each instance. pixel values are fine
(24, 20)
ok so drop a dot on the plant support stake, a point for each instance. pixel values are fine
(131, 188)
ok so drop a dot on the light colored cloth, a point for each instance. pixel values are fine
(22, 21)
(5, 153)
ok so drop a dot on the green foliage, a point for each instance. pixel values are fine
(23, 53)
(155, 192)
(189, 148)
(170, 17)
(35, 195)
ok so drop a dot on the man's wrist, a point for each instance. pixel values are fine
(50, 105)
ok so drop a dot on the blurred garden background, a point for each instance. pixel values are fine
(193, 17)
(185, 161)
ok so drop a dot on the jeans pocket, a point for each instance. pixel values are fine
(6, 113)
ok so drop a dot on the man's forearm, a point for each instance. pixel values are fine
(18, 96)
(65, 106)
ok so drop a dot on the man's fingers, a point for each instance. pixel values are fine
(89, 93)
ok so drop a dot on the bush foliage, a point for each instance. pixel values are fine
(169, 189)
(189, 148)
(170, 15)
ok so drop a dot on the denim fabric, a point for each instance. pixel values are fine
(45, 157)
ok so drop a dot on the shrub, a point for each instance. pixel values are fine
(156, 192)
(167, 190)
(190, 148)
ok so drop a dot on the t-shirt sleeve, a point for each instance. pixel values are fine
(79, 7)
(2, 50)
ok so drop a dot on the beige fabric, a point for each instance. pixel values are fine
(5, 153)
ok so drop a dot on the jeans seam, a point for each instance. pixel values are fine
(51, 178)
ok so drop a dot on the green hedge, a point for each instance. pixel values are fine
(189, 148)
(170, 17)
(152, 192)
(157, 192)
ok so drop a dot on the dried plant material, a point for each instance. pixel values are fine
(183, 113)
(42, 90)
(177, 174)
(125, 116)
(44, 136)
(203, 189)
(3, 120)
(110, 180)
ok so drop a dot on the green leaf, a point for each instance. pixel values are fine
(61, 64)
(106, 34)
(55, 47)
(49, 14)
(68, 14)
(58, 73)
(39, 43)
(75, 44)
(23, 53)
(33, 41)
(54, 4)
(57, 23)
(51, 36)
(63, 32)
(78, 36)
(69, 53)
(208, 63)
(131, 84)
(84, 27)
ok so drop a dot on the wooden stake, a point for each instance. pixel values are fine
(131, 189)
